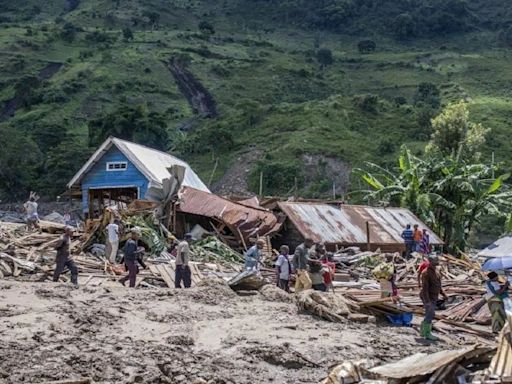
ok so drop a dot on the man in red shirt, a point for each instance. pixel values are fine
(423, 265)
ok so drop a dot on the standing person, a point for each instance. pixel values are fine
(425, 243)
(112, 240)
(496, 293)
(283, 268)
(418, 237)
(182, 258)
(132, 255)
(32, 215)
(423, 265)
(300, 263)
(408, 236)
(386, 274)
(431, 288)
(330, 270)
(63, 258)
(316, 274)
(253, 255)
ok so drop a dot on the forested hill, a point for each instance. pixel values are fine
(299, 90)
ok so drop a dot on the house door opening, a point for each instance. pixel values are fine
(101, 198)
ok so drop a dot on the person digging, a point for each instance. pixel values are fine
(431, 288)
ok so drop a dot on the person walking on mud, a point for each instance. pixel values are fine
(132, 256)
(431, 288)
(182, 258)
(300, 262)
(63, 258)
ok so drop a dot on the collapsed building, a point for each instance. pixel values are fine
(121, 172)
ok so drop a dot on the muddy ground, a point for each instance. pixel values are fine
(206, 334)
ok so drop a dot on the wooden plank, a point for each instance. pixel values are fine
(165, 276)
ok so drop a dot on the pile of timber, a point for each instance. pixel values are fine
(30, 255)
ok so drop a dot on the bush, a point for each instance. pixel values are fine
(278, 176)
(366, 46)
(404, 26)
(68, 32)
(324, 57)
(206, 28)
(428, 93)
(368, 103)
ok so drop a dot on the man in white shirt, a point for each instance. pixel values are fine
(32, 215)
(283, 267)
(182, 258)
(112, 241)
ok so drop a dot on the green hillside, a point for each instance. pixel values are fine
(301, 90)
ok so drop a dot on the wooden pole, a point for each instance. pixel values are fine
(261, 184)
(333, 190)
(368, 247)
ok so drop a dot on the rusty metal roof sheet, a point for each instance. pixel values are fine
(346, 224)
(250, 221)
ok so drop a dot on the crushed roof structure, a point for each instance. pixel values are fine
(248, 220)
(152, 163)
(346, 224)
(500, 248)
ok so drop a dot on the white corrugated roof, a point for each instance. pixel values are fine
(500, 248)
(150, 162)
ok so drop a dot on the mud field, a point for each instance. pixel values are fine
(206, 334)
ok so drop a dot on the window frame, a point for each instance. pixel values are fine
(123, 164)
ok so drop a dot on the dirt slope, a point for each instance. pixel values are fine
(203, 335)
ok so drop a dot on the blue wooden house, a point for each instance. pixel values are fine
(122, 171)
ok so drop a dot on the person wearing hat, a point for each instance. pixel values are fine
(254, 254)
(63, 258)
(495, 295)
(431, 288)
(182, 258)
(132, 255)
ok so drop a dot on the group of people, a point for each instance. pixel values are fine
(311, 265)
(132, 255)
(416, 240)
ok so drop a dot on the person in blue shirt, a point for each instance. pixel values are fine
(253, 255)
(408, 236)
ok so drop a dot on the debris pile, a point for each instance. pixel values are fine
(461, 365)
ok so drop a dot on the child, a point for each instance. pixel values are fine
(283, 268)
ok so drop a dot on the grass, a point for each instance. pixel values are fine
(270, 90)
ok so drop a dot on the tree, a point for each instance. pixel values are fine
(366, 46)
(404, 26)
(206, 29)
(62, 162)
(127, 34)
(428, 93)
(324, 57)
(68, 32)
(449, 193)
(130, 123)
(19, 159)
(153, 18)
(455, 135)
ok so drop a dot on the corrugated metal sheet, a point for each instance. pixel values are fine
(500, 248)
(422, 364)
(150, 162)
(346, 224)
(248, 220)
